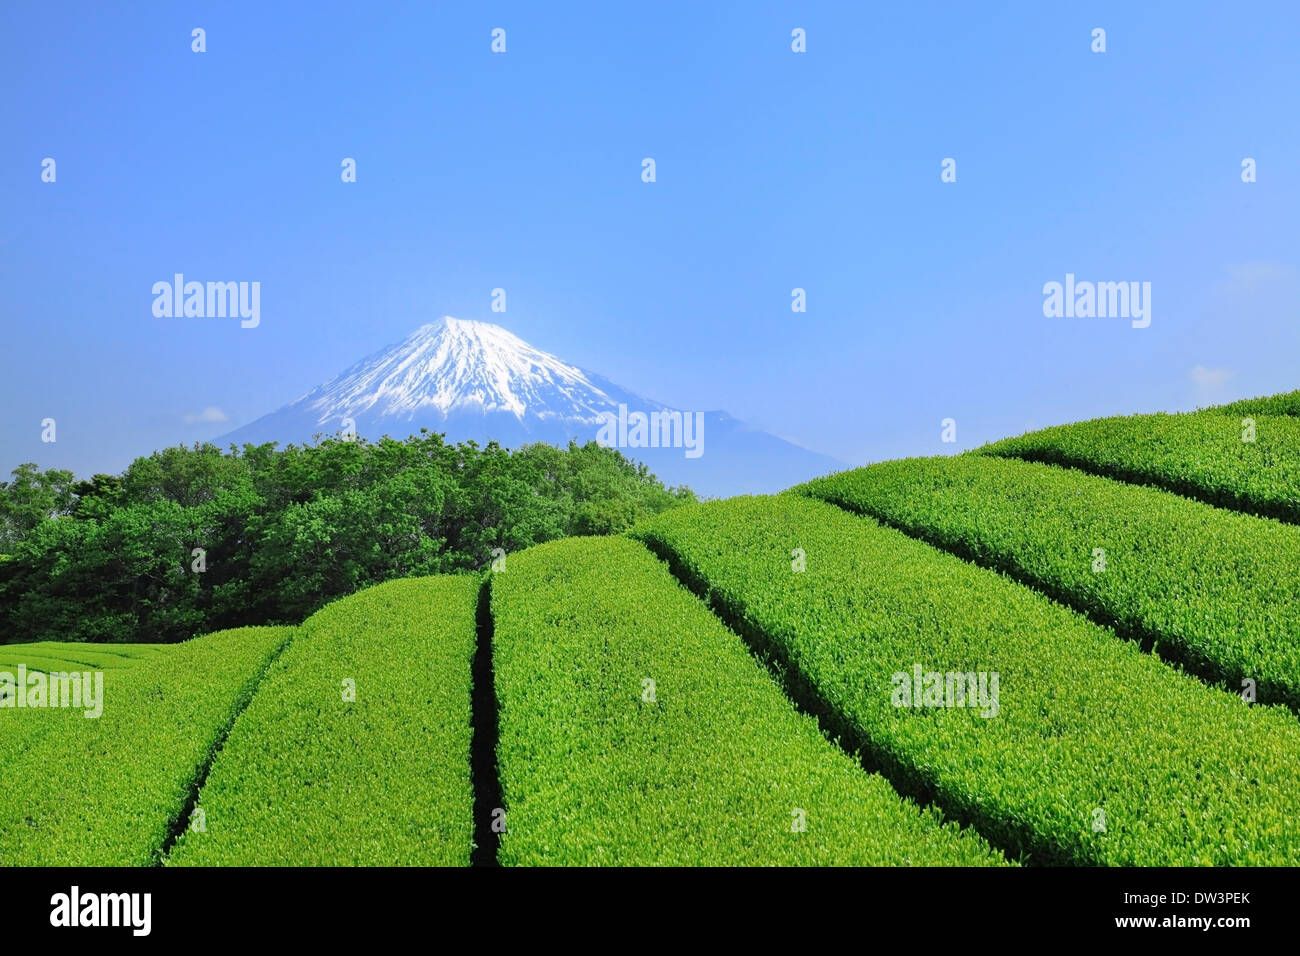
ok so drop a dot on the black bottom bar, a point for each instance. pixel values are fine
(938, 904)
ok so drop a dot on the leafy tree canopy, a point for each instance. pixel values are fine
(191, 540)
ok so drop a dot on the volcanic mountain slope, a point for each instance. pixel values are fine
(476, 380)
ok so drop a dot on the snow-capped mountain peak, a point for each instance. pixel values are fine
(457, 364)
(475, 380)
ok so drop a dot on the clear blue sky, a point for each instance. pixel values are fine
(775, 170)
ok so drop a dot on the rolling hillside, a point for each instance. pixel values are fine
(1076, 647)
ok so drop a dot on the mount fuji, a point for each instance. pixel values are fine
(475, 380)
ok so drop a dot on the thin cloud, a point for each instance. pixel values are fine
(1210, 377)
(212, 415)
(1259, 271)
(1256, 277)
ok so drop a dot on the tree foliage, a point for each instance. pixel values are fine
(193, 539)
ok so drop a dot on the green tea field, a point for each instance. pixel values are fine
(1079, 647)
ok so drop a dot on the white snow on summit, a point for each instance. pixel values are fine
(456, 363)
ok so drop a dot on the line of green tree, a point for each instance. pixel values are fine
(192, 540)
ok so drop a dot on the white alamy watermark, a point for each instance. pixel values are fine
(211, 300)
(922, 688)
(1098, 300)
(131, 910)
(56, 689)
(666, 429)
